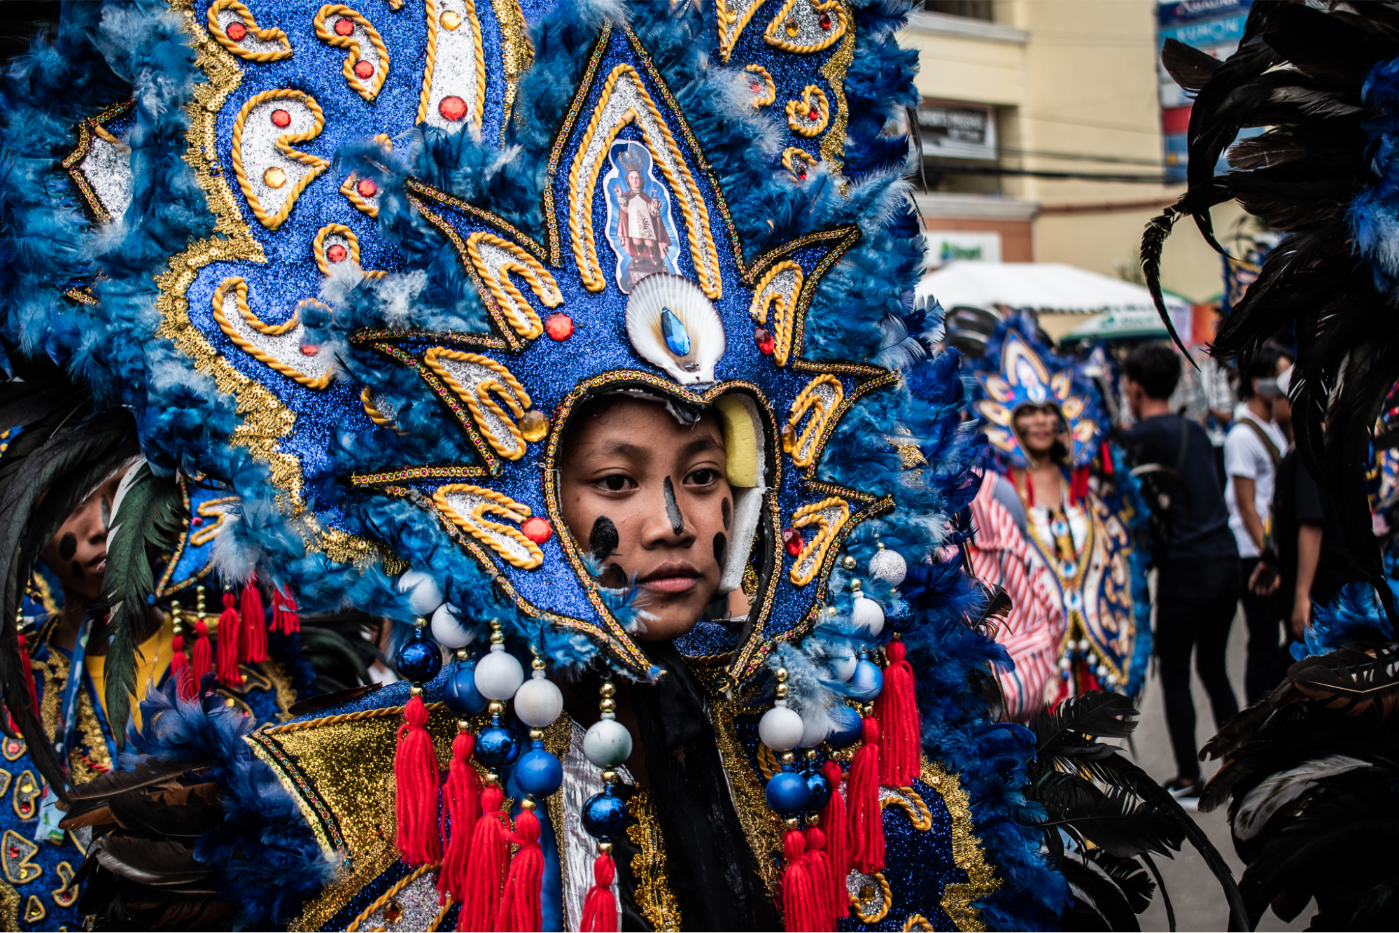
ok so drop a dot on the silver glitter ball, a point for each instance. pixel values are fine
(888, 566)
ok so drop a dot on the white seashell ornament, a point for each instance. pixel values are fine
(673, 325)
(888, 565)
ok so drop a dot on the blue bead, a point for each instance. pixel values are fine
(419, 660)
(867, 681)
(787, 793)
(604, 816)
(459, 691)
(677, 338)
(538, 772)
(497, 747)
(848, 727)
(819, 790)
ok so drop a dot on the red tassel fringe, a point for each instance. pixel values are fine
(490, 857)
(600, 908)
(179, 669)
(28, 667)
(284, 617)
(520, 907)
(201, 656)
(254, 646)
(415, 773)
(461, 808)
(800, 909)
(837, 842)
(897, 712)
(819, 867)
(230, 634)
(864, 819)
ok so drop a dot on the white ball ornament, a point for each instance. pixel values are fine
(888, 565)
(814, 731)
(780, 729)
(607, 743)
(538, 702)
(843, 667)
(424, 595)
(867, 613)
(498, 674)
(447, 630)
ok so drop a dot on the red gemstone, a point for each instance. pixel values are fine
(196, 521)
(814, 114)
(236, 31)
(766, 342)
(452, 108)
(367, 188)
(310, 350)
(826, 21)
(364, 69)
(801, 175)
(12, 851)
(537, 529)
(336, 253)
(755, 86)
(344, 26)
(793, 539)
(281, 118)
(558, 326)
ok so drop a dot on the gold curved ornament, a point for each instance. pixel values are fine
(300, 168)
(827, 516)
(779, 289)
(494, 260)
(269, 45)
(467, 506)
(483, 384)
(363, 44)
(822, 396)
(279, 341)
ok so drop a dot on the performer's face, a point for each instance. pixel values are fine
(1038, 427)
(77, 554)
(634, 180)
(649, 498)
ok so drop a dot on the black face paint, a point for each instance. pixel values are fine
(603, 539)
(68, 546)
(106, 512)
(728, 513)
(613, 577)
(78, 570)
(672, 511)
(721, 550)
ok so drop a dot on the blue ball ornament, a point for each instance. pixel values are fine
(538, 772)
(818, 789)
(419, 660)
(867, 681)
(460, 693)
(787, 793)
(604, 815)
(497, 747)
(848, 727)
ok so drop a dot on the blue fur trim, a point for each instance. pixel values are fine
(266, 861)
(1355, 613)
(1127, 501)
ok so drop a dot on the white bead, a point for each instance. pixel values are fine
(607, 743)
(424, 595)
(780, 729)
(498, 674)
(843, 667)
(1103, 670)
(447, 630)
(538, 702)
(889, 566)
(868, 613)
(1083, 644)
(1065, 664)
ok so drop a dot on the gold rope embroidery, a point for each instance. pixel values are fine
(840, 23)
(799, 112)
(767, 90)
(316, 163)
(504, 386)
(770, 293)
(813, 553)
(239, 290)
(514, 307)
(262, 35)
(825, 405)
(478, 526)
(370, 90)
(430, 63)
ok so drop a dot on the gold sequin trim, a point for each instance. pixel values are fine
(958, 899)
(799, 112)
(368, 90)
(833, 146)
(87, 130)
(262, 35)
(316, 164)
(653, 895)
(516, 52)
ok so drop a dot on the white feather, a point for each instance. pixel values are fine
(1278, 790)
(647, 308)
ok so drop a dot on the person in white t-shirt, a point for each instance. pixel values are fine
(1254, 446)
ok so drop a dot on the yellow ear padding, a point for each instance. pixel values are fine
(740, 441)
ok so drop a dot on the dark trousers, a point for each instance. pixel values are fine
(1264, 627)
(1195, 604)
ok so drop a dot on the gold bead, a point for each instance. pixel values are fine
(791, 822)
(462, 655)
(527, 803)
(537, 664)
(536, 734)
(497, 637)
(450, 20)
(604, 847)
(782, 691)
(848, 562)
(274, 177)
(491, 778)
(811, 754)
(496, 707)
(854, 585)
(781, 674)
(813, 820)
(607, 689)
(607, 705)
(463, 725)
(787, 758)
(609, 776)
(534, 426)
(420, 623)
(415, 690)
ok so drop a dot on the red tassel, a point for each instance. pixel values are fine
(284, 617)
(600, 908)
(415, 772)
(837, 842)
(27, 666)
(461, 808)
(490, 857)
(179, 669)
(229, 636)
(1108, 468)
(897, 711)
(864, 818)
(254, 647)
(819, 867)
(800, 910)
(201, 657)
(520, 907)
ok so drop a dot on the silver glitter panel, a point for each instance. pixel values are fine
(454, 70)
(494, 257)
(463, 503)
(784, 283)
(826, 392)
(415, 907)
(581, 780)
(107, 169)
(260, 152)
(473, 377)
(809, 36)
(285, 348)
(807, 563)
(250, 42)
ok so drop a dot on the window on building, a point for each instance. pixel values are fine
(971, 9)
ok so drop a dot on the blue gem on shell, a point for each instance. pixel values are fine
(419, 660)
(867, 681)
(787, 793)
(677, 338)
(848, 727)
(819, 790)
(459, 691)
(538, 772)
(497, 747)
(604, 815)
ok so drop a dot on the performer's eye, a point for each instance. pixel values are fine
(617, 482)
(704, 476)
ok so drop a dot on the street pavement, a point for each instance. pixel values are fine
(1195, 894)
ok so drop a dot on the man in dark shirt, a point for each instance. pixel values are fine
(1198, 578)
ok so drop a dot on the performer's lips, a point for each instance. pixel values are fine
(99, 563)
(671, 578)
